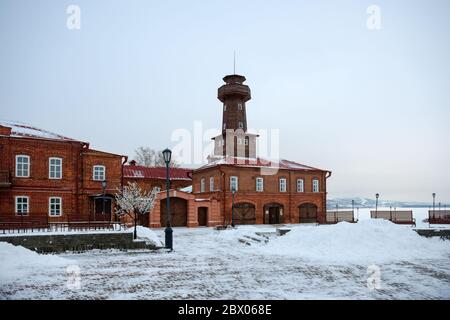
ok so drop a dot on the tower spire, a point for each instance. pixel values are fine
(234, 62)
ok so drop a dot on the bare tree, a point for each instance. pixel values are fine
(134, 202)
(149, 157)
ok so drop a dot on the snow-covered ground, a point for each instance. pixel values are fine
(330, 262)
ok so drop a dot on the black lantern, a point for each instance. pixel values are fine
(376, 204)
(167, 155)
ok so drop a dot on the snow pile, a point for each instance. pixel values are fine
(17, 262)
(148, 235)
(368, 241)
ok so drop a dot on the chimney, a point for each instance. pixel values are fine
(5, 131)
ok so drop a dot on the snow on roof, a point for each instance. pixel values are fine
(141, 172)
(187, 189)
(22, 130)
(259, 163)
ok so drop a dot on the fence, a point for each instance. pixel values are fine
(395, 216)
(339, 216)
(439, 216)
(40, 223)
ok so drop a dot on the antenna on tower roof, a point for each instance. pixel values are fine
(234, 62)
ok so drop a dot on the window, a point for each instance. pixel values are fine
(315, 185)
(211, 184)
(22, 166)
(55, 206)
(202, 185)
(282, 185)
(241, 125)
(234, 185)
(99, 173)
(246, 141)
(300, 185)
(55, 168)
(224, 126)
(224, 107)
(22, 205)
(239, 106)
(260, 184)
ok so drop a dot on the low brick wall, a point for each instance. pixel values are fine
(77, 242)
(443, 234)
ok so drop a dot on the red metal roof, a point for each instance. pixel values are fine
(141, 172)
(259, 163)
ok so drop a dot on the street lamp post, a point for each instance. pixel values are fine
(434, 202)
(376, 205)
(103, 198)
(167, 154)
(233, 192)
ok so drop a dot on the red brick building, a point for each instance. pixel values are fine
(266, 192)
(46, 174)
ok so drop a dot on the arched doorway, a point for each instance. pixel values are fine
(273, 213)
(178, 212)
(244, 213)
(202, 216)
(308, 213)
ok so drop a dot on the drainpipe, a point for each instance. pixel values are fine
(222, 174)
(124, 160)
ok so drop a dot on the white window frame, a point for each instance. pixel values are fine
(211, 184)
(246, 141)
(315, 185)
(53, 214)
(50, 168)
(259, 184)
(283, 184)
(300, 185)
(16, 211)
(28, 166)
(234, 180)
(224, 126)
(240, 107)
(93, 172)
(202, 184)
(241, 125)
(224, 107)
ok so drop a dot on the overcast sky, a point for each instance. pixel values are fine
(373, 106)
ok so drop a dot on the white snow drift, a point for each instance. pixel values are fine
(368, 241)
(17, 262)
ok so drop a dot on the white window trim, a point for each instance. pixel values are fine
(285, 184)
(262, 184)
(224, 107)
(211, 184)
(28, 205)
(50, 207)
(239, 140)
(231, 183)
(50, 166)
(29, 166)
(241, 125)
(93, 172)
(224, 126)
(240, 106)
(318, 186)
(246, 141)
(202, 184)
(302, 184)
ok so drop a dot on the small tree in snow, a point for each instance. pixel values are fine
(134, 202)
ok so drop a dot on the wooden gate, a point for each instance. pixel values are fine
(308, 213)
(244, 213)
(178, 212)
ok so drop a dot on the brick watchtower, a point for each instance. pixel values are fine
(235, 140)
